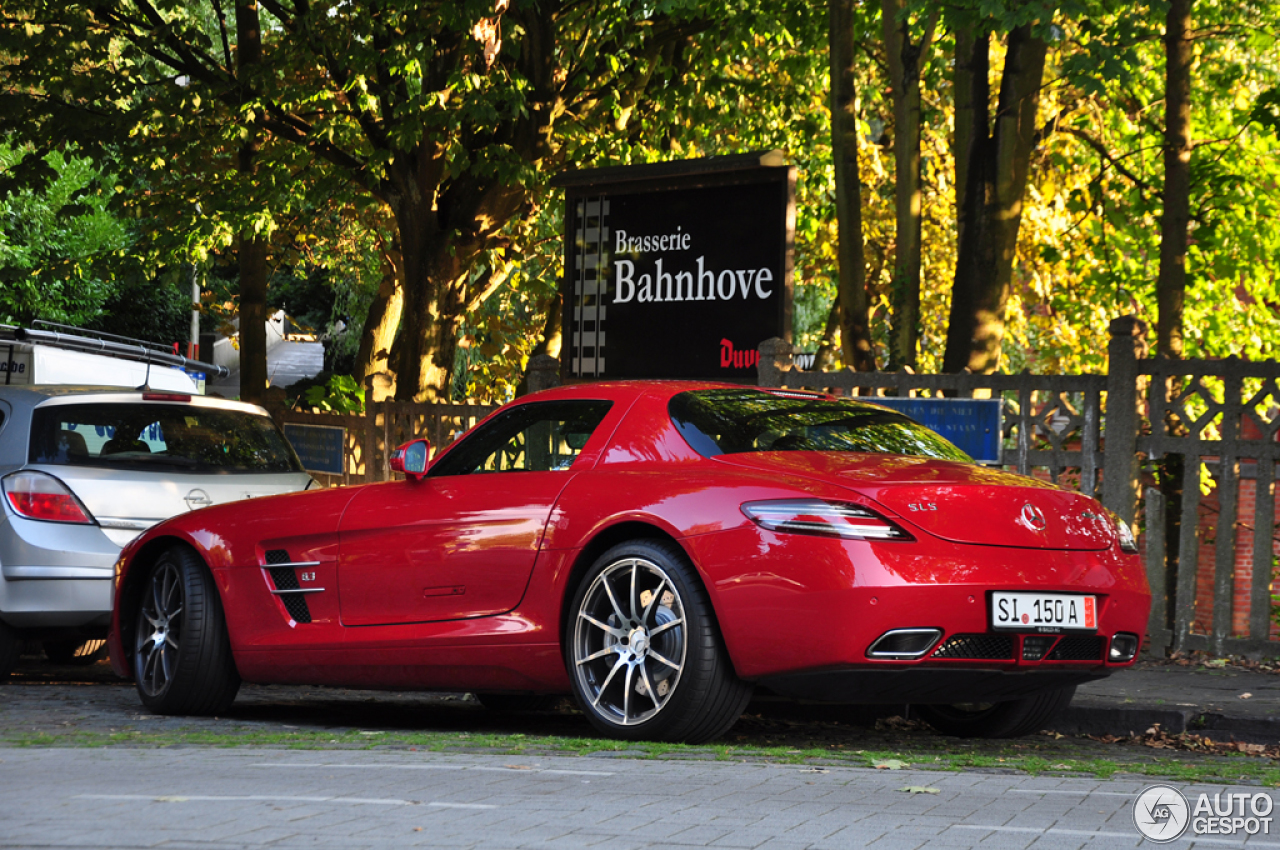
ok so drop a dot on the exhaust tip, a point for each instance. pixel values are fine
(1124, 646)
(904, 643)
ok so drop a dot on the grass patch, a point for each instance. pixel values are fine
(1031, 756)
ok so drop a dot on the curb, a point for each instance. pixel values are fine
(1135, 720)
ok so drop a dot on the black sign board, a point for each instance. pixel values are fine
(321, 448)
(677, 270)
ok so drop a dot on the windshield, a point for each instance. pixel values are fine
(729, 421)
(180, 437)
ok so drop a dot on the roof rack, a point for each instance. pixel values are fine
(110, 344)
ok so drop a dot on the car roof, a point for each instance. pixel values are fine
(628, 389)
(28, 396)
(663, 389)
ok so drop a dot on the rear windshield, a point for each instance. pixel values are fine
(730, 421)
(179, 437)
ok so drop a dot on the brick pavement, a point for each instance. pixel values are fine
(249, 798)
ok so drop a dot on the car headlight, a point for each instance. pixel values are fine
(828, 519)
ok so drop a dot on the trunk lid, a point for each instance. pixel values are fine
(959, 502)
(127, 502)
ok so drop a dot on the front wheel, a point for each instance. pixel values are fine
(1008, 719)
(182, 660)
(644, 653)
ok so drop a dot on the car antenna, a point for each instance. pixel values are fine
(146, 380)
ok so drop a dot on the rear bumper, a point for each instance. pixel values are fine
(57, 602)
(55, 575)
(794, 608)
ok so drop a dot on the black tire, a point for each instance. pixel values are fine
(10, 649)
(643, 650)
(75, 652)
(510, 703)
(182, 660)
(997, 720)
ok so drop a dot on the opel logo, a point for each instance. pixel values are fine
(197, 499)
(1032, 518)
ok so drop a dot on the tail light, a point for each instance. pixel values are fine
(1127, 542)
(37, 495)
(829, 519)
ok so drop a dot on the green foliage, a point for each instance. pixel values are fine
(155, 309)
(352, 101)
(53, 242)
(340, 394)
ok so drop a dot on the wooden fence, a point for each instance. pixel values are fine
(369, 438)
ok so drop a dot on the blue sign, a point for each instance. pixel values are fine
(973, 424)
(321, 448)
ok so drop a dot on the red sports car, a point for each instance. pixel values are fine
(658, 549)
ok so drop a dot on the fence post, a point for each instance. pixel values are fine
(1120, 454)
(1158, 627)
(775, 356)
(544, 372)
(370, 417)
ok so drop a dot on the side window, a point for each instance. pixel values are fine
(538, 437)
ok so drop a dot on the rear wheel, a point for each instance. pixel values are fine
(10, 649)
(999, 719)
(644, 653)
(182, 660)
(78, 653)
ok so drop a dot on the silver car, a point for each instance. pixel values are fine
(84, 470)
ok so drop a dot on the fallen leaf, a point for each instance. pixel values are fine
(920, 789)
(890, 764)
(518, 767)
(1245, 696)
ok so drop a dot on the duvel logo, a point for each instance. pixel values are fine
(731, 358)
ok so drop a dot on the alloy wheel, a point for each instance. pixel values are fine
(630, 641)
(159, 629)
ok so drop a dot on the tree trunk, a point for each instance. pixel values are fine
(1171, 286)
(826, 356)
(551, 341)
(381, 324)
(855, 325)
(992, 179)
(905, 62)
(252, 248)
(436, 267)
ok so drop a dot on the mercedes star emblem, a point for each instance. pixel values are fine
(1032, 518)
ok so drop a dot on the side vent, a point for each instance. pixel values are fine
(285, 579)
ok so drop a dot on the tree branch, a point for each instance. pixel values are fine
(1102, 151)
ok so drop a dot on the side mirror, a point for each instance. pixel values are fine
(412, 458)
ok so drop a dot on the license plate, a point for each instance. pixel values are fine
(1044, 612)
